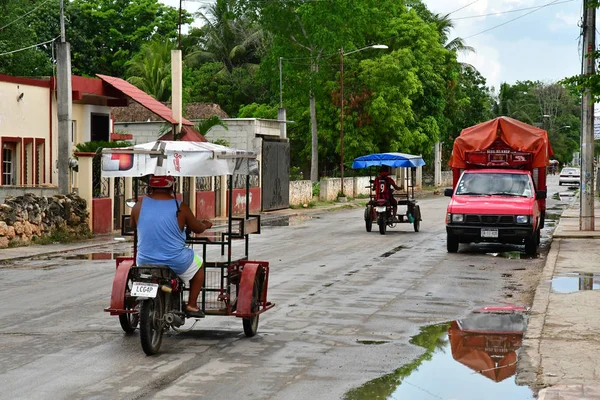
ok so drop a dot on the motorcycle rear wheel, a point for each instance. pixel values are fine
(152, 324)
(382, 222)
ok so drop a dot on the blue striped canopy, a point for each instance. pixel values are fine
(394, 160)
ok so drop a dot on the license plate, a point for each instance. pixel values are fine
(380, 209)
(140, 289)
(489, 233)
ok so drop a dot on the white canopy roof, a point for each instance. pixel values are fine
(177, 158)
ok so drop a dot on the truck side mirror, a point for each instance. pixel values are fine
(541, 194)
(448, 192)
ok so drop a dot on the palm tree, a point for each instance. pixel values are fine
(203, 126)
(227, 36)
(150, 69)
(444, 25)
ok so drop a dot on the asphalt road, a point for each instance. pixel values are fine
(337, 288)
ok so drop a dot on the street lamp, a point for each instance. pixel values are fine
(342, 54)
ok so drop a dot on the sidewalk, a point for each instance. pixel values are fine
(561, 346)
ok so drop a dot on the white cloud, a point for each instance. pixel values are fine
(542, 45)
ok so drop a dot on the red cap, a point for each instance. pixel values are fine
(161, 182)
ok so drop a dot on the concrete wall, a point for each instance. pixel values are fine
(362, 187)
(446, 179)
(300, 192)
(331, 186)
(143, 132)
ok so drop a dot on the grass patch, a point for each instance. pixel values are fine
(62, 235)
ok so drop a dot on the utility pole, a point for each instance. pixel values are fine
(64, 106)
(342, 118)
(586, 211)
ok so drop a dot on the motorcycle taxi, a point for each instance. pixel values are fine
(152, 297)
(379, 207)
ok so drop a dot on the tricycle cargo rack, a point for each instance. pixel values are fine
(233, 286)
(379, 208)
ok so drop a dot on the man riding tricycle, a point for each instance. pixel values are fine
(166, 281)
(383, 203)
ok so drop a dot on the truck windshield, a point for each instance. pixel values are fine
(499, 184)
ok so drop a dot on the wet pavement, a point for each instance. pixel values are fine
(561, 345)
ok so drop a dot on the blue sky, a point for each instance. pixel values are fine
(544, 45)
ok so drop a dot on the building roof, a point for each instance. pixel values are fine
(143, 99)
(138, 113)
(188, 134)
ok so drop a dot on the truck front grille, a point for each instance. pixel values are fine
(489, 220)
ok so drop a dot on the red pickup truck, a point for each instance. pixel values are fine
(499, 185)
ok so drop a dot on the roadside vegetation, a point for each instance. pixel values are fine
(403, 98)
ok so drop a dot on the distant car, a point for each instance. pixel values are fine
(569, 176)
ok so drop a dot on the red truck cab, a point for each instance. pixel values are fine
(499, 185)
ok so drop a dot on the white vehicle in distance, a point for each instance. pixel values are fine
(568, 176)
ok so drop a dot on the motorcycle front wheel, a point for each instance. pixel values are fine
(152, 323)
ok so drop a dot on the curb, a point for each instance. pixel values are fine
(49, 252)
(528, 366)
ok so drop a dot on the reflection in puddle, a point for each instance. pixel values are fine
(97, 256)
(575, 282)
(511, 255)
(465, 359)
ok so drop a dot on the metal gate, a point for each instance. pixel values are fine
(118, 202)
(186, 190)
(275, 175)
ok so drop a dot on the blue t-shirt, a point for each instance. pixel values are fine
(160, 241)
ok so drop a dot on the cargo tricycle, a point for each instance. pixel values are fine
(380, 208)
(153, 297)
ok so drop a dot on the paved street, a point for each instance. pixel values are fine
(337, 289)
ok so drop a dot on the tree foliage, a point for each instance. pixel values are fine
(550, 106)
(150, 69)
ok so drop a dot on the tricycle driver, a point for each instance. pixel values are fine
(383, 185)
(160, 223)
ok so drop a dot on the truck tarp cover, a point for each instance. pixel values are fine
(516, 134)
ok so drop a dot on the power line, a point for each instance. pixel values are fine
(457, 10)
(511, 11)
(24, 15)
(514, 19)
(29, 47)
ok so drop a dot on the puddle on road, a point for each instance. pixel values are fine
(393, 251)
(467, 359)
(511, 255)
(96, 256)
(575, 282)
(371, 342)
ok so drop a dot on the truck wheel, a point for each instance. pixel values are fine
(452, 243)
(531, 246)
(382, 222)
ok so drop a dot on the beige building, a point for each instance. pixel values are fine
(29, 128)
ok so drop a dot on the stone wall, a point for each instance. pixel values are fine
(428, 179)
(27, 217)
(14, 191)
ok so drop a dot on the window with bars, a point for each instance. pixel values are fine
(8, 165)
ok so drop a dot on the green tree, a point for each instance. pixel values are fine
(204, 125)
(150, 69)
(106, 34)
(25, 24)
